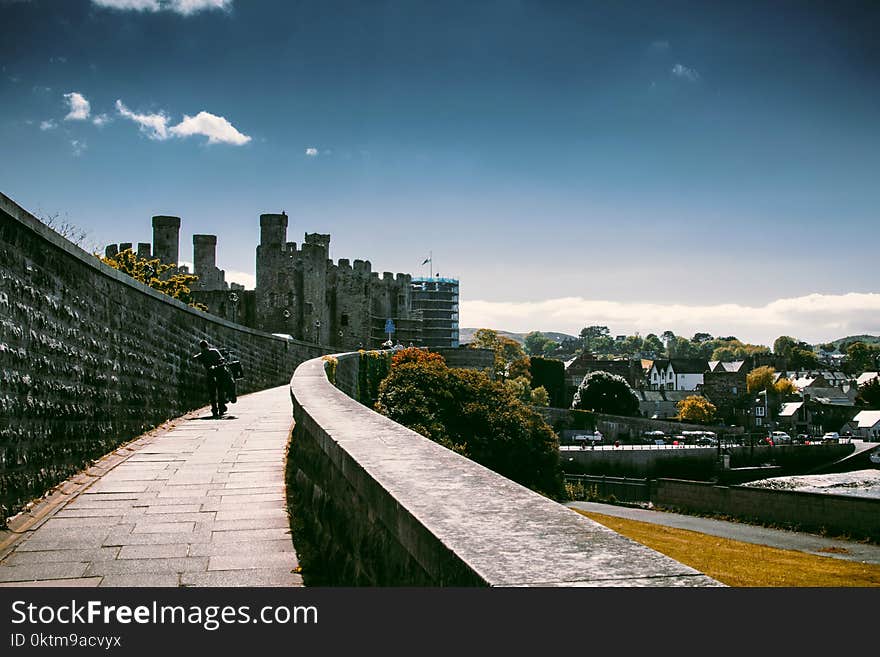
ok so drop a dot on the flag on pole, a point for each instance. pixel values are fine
(426, 261)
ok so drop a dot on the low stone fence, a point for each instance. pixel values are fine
(857, 517)
(90, 358)
(377, 504)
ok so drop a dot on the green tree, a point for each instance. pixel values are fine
(697, 409)
(477, 417)
(549, 373)
(153, 273)
(760, 378)
(511, 360)
(783, 345)
(597, 339)
(606, 393)
(798, 355)
(540, 396)
(784, 387)
(653, 346)
(730, 349)
(869, 393)
(536, 343)
(862, 357)
(681, 348)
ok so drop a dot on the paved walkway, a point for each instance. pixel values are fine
(778, 538)
(199, 502)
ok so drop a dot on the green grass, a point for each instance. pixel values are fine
(740, 564)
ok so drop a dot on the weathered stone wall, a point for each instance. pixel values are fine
(90, 358)
(376, 504)
(469, 359)
(836, 514)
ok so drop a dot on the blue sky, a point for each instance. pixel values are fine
(645, 165)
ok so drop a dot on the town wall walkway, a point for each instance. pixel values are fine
(198, 502)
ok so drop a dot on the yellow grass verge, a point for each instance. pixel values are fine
(742, 564)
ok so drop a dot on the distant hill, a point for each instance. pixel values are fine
(867, 339)
(465, 335)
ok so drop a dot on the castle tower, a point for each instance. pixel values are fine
(204, 263)
(166, 239)
(204, 254)
(273, 229)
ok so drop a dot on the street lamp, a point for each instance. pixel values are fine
(317, 332)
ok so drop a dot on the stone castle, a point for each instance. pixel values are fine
(301, 292)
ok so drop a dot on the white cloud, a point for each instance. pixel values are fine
(48, 125)
(187, 7)
(101, 120)
(682, 71)
(312, 152)
(182, 7)
(813, 317)
(78, 147)
(216, 128)
(154, 125)
(242, 278)
(79, 107)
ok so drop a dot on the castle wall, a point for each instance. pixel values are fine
(90, 358)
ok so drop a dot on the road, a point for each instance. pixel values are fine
(778, 538)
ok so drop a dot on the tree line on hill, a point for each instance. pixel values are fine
(860, 355)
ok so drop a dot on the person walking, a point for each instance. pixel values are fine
(214, 364)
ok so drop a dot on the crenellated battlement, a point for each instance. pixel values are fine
(299, 290)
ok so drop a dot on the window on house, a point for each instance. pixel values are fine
(308, 308)
(343, 320)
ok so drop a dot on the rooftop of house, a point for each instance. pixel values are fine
(683, 365)
(790, 408)
(721, 366)
(867, 419)
(833, 396)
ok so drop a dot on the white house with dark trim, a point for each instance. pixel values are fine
(677, 374)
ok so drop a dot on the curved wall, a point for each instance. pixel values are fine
(90, 358)
(378, 504)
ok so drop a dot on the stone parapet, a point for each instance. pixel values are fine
(378, 504)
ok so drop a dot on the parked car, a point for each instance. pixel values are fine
(780, 438)
(803, 438)
(874, 456)
(831, 437)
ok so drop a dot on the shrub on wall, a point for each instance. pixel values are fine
(330, 367)
(374, 366)
(153, 273)
(549, 373)
(469, 413)
(603, 392)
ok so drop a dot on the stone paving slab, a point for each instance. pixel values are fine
(197, 502)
